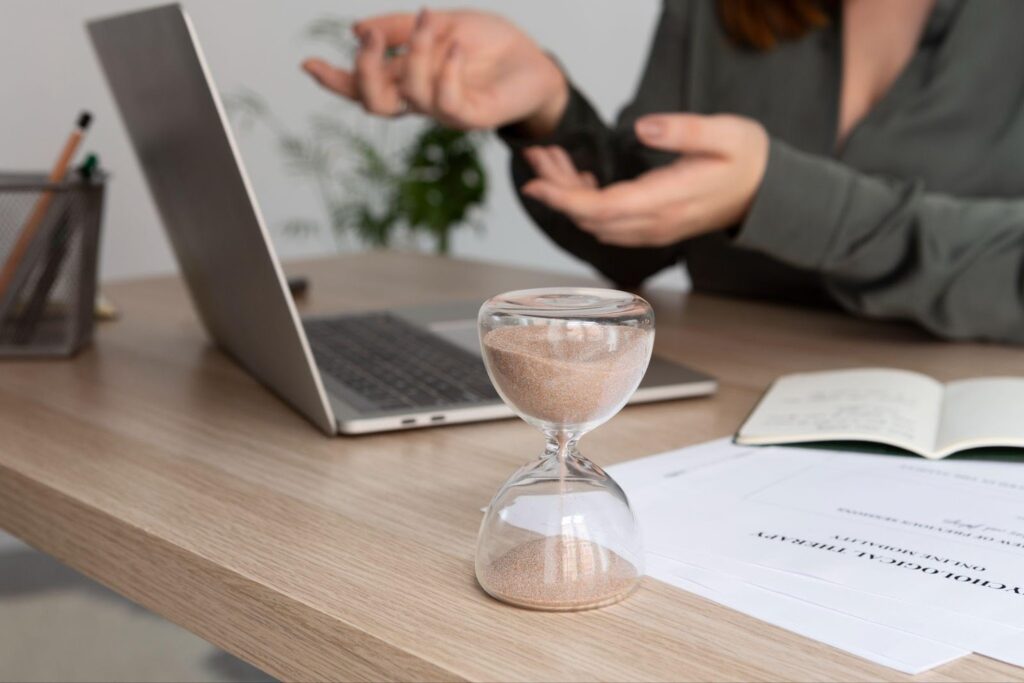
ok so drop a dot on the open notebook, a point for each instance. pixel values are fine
(894, 407)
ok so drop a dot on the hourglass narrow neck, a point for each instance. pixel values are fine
(561, 445)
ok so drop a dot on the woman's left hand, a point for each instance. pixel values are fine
(709, 187)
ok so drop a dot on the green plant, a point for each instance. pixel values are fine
(371, 188)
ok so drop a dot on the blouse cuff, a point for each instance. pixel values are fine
(798, 208)
(578, 115)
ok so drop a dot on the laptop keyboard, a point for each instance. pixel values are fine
(393, 364)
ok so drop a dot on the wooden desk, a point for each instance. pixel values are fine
(154, 465)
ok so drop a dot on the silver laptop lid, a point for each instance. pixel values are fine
(168, 102)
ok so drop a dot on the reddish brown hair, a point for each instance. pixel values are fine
(762, 24)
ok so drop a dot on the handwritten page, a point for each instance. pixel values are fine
(894, 407)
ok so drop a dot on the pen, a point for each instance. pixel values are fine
(33, 312)
(42, 204)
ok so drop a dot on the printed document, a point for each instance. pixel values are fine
(930, 548)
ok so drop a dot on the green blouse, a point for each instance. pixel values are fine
(918, 216)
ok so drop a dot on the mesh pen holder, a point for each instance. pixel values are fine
(47, 305)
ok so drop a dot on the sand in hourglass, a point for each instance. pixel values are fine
(567, 376)
(560, 573)
(564, 377)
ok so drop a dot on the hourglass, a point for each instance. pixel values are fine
(560, 534)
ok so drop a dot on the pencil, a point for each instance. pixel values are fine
(42, 204)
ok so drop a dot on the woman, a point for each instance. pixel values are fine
(865, 152)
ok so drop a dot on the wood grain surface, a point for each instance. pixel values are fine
(154, 465)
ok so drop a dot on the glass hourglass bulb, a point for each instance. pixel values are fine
(559, 534)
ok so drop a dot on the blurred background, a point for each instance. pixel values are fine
(55, 624)
(251, 47)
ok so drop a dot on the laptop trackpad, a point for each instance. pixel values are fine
(462, 333)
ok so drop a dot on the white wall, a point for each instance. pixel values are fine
(50, 74)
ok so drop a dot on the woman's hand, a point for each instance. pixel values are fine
(710, 186)
(466, 69)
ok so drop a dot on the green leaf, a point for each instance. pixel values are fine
(301, 227)
(303, 157)
(443, 182)
(245, 107)
(335, 33)
(330, 128)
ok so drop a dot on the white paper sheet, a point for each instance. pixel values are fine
(870, 528)
(830, 528)
(883, 645)
(965, 633)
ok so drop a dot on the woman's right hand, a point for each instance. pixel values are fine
(467, 69)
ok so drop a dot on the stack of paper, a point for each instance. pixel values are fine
(906, 562)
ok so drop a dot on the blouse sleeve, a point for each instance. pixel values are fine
(888, 249)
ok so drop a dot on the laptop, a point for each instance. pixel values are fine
(348, 374)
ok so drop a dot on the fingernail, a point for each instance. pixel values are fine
(421, 18)
(650, 128)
